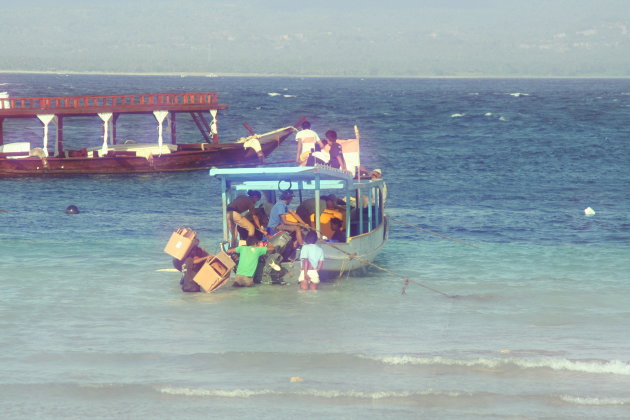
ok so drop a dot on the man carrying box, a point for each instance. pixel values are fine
(235, 210)
(248, 260)
(189, 265)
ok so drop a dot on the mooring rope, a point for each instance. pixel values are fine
(433, 233)
(406, 280)
(343, 267)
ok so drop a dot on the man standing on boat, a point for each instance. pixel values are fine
(336, 154)
(278, 218)
(306, 139)
(235, 211)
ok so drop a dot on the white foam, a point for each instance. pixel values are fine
(274, 94)
(318, 393)
(289, 96)
(518, 94)
(614, 367)
(589, 211)
(594, 400)
(488, 114)
(457, 115)
(224, 393)
(502, 119)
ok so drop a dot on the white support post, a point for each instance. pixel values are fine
(213, 126)
(106, 117)
(46, 119)
(160, 116)
(358, 169)
(4, 104)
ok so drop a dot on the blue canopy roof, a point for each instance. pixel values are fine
(295, 177)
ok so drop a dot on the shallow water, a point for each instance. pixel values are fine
(536, 328)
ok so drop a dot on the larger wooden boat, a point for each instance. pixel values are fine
(165, 155)
(367, 225)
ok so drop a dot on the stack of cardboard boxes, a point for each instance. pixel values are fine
(180, 242)
(215, 271)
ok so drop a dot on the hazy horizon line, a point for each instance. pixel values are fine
(289, 75)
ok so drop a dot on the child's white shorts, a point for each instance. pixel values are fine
(313, 274)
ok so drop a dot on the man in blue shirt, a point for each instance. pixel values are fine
(279, 220)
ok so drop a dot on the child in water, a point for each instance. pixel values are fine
(312, 259)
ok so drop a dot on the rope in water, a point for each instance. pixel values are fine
(432, 233)
(406, 280)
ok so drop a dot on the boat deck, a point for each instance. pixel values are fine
(110, 107)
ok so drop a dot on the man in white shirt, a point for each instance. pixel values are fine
(306, 139)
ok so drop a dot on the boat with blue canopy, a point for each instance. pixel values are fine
(360, 203)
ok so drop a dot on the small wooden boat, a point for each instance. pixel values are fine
(367, 226)
(21, 159)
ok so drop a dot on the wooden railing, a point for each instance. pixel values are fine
(209, 99)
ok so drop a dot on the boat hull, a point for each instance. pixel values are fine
(346, 258)
(368, 225)
(356, 254)
(187, 159)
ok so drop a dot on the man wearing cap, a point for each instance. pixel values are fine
(307, 208)
(240, 205)
(278, 218)
(378, 174)
(373, 174)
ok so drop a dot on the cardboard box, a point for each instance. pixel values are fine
(180, 242)
(215, 272)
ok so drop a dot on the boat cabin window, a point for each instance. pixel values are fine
(365, 214)
(368, 214)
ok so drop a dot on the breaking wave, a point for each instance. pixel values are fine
(594, 400)
(431, 396)
(311, 392)
(284, 95)
(615, 367)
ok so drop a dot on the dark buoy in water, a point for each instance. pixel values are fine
(72, 210)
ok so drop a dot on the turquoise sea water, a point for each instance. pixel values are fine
(537, 328)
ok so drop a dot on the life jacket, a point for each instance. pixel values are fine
(324, 221)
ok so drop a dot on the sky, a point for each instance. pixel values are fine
(319, 37)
